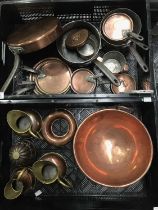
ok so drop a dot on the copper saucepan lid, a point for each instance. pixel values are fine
(79, 83)
(127, 84)
(35, 35)
(76, 38)
(113, 148)
(56, 77)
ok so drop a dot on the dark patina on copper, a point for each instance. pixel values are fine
(127, 84)
(79, 83)
(113, 148)
(35, 35)
(76, 38)
(56, 79)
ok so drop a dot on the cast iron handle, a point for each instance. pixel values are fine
(139, 59)
(107, 72)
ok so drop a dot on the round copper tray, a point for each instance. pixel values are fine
(113, 148)
(79, 84)
(57, 77)
(114, 25)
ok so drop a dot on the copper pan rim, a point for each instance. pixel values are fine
(107, 185)
(45, 155)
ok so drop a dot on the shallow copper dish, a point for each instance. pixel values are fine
(57, 77)
(127, 84)
(113, 148)
(79, 84)
(114, 25)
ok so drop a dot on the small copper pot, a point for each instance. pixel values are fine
(49, 135)
(79, 84)
(21, 181)
(127, 84)
(22, 154)
(54, 76)
(25, 123)
(51, 167)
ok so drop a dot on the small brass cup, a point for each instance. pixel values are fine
(25, 123)
(50, 168)
(21, 181)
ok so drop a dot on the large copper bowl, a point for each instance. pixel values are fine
(113, 148)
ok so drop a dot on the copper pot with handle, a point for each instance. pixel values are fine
(50, 168)
(29, 38)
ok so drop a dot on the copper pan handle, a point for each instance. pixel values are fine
(12, 73)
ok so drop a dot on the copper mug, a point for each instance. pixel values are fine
(25, 123)
(21, 181)
(51, 168)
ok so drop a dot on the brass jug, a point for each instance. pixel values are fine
(50, 168)
(25, 123)
(21, 181)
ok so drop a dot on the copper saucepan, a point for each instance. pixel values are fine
(81, 56)
(53, 76)
(29, 38)
(120, 28)
(113, 148)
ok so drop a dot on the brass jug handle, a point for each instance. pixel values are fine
(37, 135)
(64, 182)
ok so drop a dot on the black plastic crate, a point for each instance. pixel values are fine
(83, 188)
(85, 194)
(92, 12)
